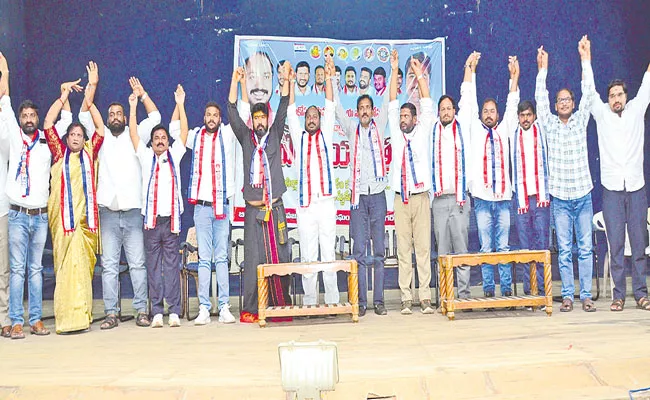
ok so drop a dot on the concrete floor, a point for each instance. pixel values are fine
(481, 355)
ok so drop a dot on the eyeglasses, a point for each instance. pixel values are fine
(562, 100)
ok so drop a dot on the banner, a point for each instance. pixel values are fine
(362, 67)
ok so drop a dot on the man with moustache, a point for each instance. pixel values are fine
(530, 185)
(569, 177)
(350, 87)
(259, 77)
(367, 184)
(278, 88)
(620, 126)
(265, 227)
(450, 174)
(379, 80)
(162, 208)
(490, 174)
(319, 80)
(412, 183)
(119, 197)
(28, 192)
(302, 79)
(211, 188)
(364, 80)
(317, 211)
(337, 70)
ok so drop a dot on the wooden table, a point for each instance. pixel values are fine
(446, 274)
(266, 270)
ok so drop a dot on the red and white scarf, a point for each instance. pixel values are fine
(67, 201)
(305, 169)
(540, 166)
(409, 178)
(378, 162)
(494, 171)
(22, 172)
(354, 89)
(460, 180)
(260, 170)
(151, 210)
(217, 171)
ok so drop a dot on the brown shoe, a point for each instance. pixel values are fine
(39, 329)
(17, 332)
(6, 331)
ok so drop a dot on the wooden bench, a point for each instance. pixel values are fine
(446, 274)
(266, 270)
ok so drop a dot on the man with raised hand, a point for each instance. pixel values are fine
(28, 189)
(621, 129)
(119, 196)
(211, 188)
(163, 206)
(317, 211)
(490, 174)
(450, 174)
(367, 185)
(265, 226)
(411, 135)
(569, 182)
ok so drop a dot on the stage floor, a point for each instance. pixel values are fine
(481, 355)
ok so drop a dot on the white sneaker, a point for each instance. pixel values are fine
(157, 321)
(174, 321)
(225, 317)
(204, 316)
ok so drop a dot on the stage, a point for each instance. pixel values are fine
(482, 355)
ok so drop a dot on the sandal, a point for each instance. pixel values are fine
(617, 305)
(110, 322)
(567, 305)
(142, 320)
(643, 303)
(588, 305)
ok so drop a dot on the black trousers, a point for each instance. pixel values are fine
(163, 262)
(259, 249)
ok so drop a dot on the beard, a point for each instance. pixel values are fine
(260, 130)
(363, 85)
(28, 129)
(116, 127)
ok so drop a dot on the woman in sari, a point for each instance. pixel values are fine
(73, 214)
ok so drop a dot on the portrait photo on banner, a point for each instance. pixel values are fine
(362, 67)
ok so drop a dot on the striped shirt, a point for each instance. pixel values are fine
(569, 175)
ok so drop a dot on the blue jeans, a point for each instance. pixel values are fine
(369, 218)
(533, 231)
(212, 236)
(122, 228)
(493, 220)
(570, 215)
(27, 236)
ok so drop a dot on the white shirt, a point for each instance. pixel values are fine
(119, 179)
(40, 158)
(477, 136)
(327, 128)
(229, 140)
(146, 155)
(620, 140)
(420, 138)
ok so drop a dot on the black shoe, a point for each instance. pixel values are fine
(362, 311)
(380, 309)
(508, 294)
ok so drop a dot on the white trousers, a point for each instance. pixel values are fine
(317, 227)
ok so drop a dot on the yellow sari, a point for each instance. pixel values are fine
(74, 253)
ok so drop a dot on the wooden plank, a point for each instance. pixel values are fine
(306, 268)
